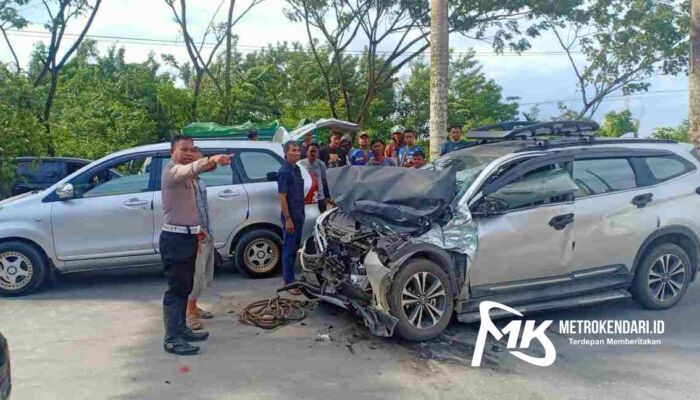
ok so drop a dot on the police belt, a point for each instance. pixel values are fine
(191, 230)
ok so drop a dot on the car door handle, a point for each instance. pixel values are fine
(136, 203)
(642, 200)
(561, 221)
(228, 194)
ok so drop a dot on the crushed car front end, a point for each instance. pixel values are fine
(358, 249)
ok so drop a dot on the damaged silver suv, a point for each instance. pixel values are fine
(536, 217)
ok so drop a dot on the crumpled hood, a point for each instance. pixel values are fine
(402, 199)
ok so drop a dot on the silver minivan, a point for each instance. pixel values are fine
(109, 214)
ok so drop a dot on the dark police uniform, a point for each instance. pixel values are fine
(291, 183)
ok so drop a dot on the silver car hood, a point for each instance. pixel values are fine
(18, 199)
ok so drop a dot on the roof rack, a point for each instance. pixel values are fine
(556, 128)
(532, 130)
(499, 131)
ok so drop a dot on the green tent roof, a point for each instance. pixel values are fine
(266, 130)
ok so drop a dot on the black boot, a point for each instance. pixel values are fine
(187, 333)
(174, 342)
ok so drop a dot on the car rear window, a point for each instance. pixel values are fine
(603, 175)
(665, 168)
(41, 171)
(257, 164)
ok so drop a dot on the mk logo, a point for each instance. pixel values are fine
(512, 330)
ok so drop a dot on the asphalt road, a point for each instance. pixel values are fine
(98, 336)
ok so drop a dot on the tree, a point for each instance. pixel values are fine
(439, 59)
(624, 43)
(200, 62)
(473, 99)
(48, 59)
(679, 133)
(11, 19)
(21, 132)
(403, 27)
(616, 124)
(694, 75)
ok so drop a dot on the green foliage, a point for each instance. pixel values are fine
(624, 42)
(616, 124)
(679, 133)
(20, 130)
(473, 99)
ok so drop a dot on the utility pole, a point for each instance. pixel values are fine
(694, 74)
(439, 61)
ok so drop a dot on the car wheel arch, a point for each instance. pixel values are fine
(679, 235)
(428, 252)
(260, 225)
(33, 244)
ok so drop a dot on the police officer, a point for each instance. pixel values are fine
(179, 239)
(290, 186)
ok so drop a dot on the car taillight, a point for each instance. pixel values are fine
(311, 195)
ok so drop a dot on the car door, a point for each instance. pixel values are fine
(226, 197)
(616, 207)
(254, 165)
(110, 216)
(525, 224)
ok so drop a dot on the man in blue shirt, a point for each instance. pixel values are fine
(455, 141)
(364, 153)
(410, 147)
(379, 159)
(290, 186)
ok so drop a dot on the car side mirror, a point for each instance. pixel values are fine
(272, 176)
(65, 192)
(489, 206)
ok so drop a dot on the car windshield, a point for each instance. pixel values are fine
(468, 164)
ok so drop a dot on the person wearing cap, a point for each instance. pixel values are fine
(380, 159)
(308, 138)
(455, 141)
(362, 154)
(253, 135)
(410, 147)
(418, 159)
(392, 149)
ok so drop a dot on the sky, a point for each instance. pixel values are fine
(533, 77)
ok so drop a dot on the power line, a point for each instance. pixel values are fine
(251, 48)
(616, 97)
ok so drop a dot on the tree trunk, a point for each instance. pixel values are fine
(694, 75)
(439, 61)
(46, 115)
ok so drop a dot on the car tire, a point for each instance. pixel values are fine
(419, 287)
(662, 277)
(258, 253)
(23, 268)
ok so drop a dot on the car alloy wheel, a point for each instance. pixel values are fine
(667, 277)
(423, 300)
(16, 270)
(261, 255)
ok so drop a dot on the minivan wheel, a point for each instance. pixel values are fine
(662, 278)
(22, 268)
(258, 253)
(421, 298)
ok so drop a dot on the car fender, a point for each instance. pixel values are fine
(39, 234)
(671, 230)
(428, 251)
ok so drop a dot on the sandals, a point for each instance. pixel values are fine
(204, 314)
(194, 323)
